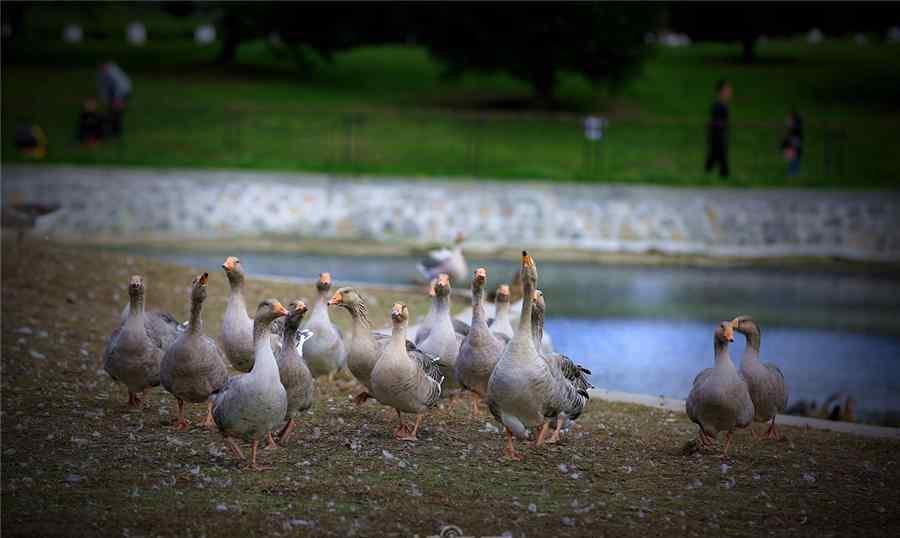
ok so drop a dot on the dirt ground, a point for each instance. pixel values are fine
(77, 461)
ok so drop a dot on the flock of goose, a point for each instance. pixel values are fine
(525, 385)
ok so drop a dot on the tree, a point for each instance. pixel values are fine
(535, 41)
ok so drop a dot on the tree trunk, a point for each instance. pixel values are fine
(231, 38)
(749, 48)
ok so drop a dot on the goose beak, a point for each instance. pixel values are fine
(443, 280)
(204, 278)
(480, 274)
(325, 278)
(397, 311)
(229, 264)
(280, 309)
(300, 307)
(527, 261)
(337, 299)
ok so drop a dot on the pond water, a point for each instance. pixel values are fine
(649, 329)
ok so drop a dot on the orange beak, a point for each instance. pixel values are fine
(481, 274)
(229, 264)
(204, 278)
(504, 289)
(325, 278)
(338, 298)
(527, 260)
(397, 310)
(443, 279)
(729, 332)
(300, 307)
(280, 309)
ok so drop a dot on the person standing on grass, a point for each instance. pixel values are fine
(792, 145)
(717, 132)
(114, 88)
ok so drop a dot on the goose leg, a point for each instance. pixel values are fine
(253, 464)
(510, 450)
(235, 449)
(476, 410)
(540, 439)
(180, 423)
(209, 422)
(771, 433)
(402, 430)
(554, 438)
(285, 432)
(412, 435)
(270, 443)
(727, 444)
(361, 398)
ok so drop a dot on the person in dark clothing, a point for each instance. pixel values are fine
(90, 123)
(114, 89)
(792, 144)
(717, 131)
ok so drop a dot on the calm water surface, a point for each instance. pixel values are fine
(649, 329)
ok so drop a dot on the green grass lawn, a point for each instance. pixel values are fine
(387, 110)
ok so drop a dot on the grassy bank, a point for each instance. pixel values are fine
(387, 110)
(76, 461)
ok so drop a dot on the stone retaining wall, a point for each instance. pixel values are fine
(733, 222)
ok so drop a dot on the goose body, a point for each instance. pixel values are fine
(324, 352)
(480, 349)
(445, 261)
(443, 341)
(408, 381)
(719, 399)
(295, 376)
(500, 323)
(136, 347)
(765, 381)
(237, 327)
(251, 405)
(193, 367)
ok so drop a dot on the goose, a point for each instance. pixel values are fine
(410, 382)
(719, 400)
(237, 327)
(135, 348)
(446, 261)
(193, 367)
(764, 380)
(324, 352)
(524, 390)
(443, 341)
(574, 373)
(424, 329)
(500, 323)
(251, 405)
(480, 349)
(296, 377)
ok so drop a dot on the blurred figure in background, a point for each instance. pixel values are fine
(90, 123)
(31, 140)
(114, 89)
(792, 144)
(717, 132)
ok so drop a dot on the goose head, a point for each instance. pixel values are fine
(529, 269)
(324, 283)
(136, 286)
(539, 304)
(442, 286)
(725, 333)
(745, 325)
(399, 314)
(346, 297)
(478, 279)
(431, 287)
(270, 310)
(460, 237)
(233, 270)
(198, 288)
(502, 294)
(296, 310)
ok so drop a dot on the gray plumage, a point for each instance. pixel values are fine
(251, 405)
(410, 382)
(194, 367)
(719, 400)
(500, 323)
(765, 381)
(443, 341)
(237, 327)
(324, 352)
(295, 376)
(135, 348)
(480, 349)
